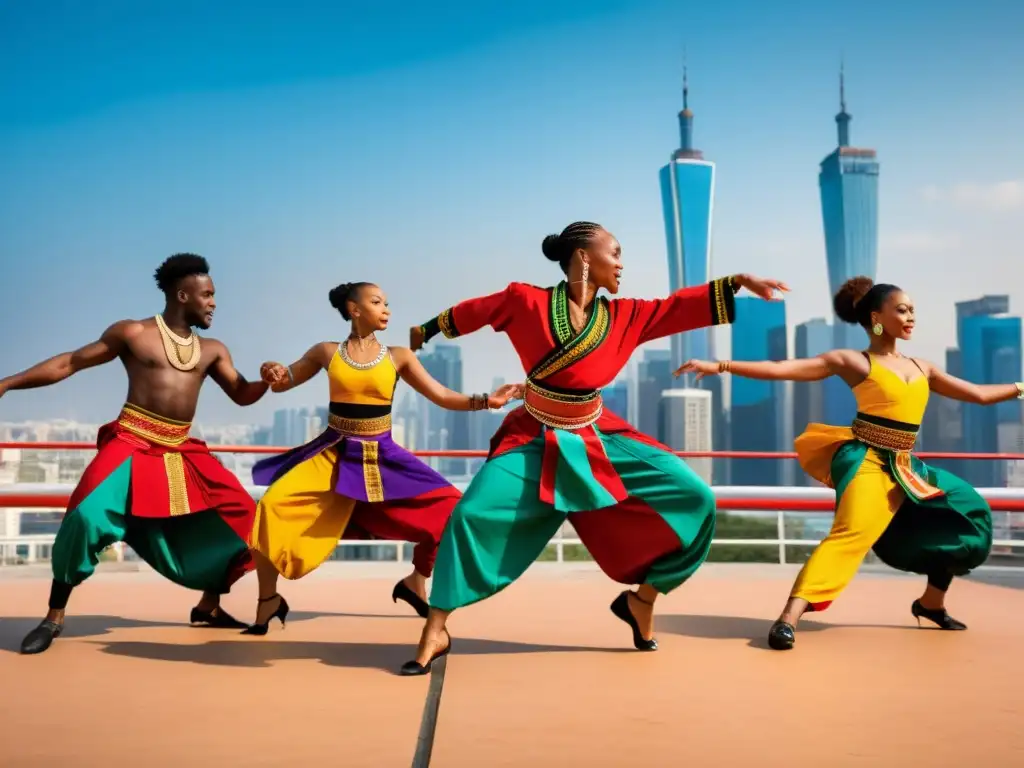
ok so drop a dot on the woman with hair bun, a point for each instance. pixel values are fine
(353, 481)
(915, 517)
(646, 518)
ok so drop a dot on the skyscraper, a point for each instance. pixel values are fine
(443, 430)
(990, 353)
(848, 181)
(686, 423)
(759, 333)
(654, 376)
(687, 197)
(812, 338)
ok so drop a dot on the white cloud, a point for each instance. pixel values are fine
(997, 196)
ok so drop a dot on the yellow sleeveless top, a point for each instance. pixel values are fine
(882, 395)
(885, 394)
(356, 384)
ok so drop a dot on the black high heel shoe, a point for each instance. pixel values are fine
(938, 617)
(403, 592)
(620, 607)
(781, 636)
(40, 638)
(219, 620)
(281, 613)
(414, 668)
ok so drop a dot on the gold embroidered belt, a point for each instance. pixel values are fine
(885, 434)
(359, 427)
(562, 410)
(149, 426)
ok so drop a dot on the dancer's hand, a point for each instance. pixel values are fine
(701, 367)
(416, 337)
(503, 395)
(762, 287)
(273, 373)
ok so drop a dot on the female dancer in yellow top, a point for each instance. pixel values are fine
(353, 480)
(916, 518)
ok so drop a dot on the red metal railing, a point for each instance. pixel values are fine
(262, 449)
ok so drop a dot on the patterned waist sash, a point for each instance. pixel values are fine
(897, 438)
(886, 434)
(562, 409)
(359, 427)
(149, 426)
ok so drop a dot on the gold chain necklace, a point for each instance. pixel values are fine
(174, 344)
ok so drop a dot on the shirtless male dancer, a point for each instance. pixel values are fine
(150, 485)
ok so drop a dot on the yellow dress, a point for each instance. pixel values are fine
(917, 518)
(352, 481)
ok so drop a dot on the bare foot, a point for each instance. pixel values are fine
(432, 643)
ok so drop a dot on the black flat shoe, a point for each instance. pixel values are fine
(402, 592)
(219, 620)
(620, 607)
(940, 618)
(40, 638)
(414, 668)
(281, 613)
(781, 636)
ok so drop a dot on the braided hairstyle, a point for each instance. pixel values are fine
(561, 247)
(341, 295)
(858, 297)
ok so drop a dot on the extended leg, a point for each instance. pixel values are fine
(865, 510)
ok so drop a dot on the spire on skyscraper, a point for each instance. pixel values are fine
(686, 120)
(844, 117)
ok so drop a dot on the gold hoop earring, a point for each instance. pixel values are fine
(877, 329)
(586, 271)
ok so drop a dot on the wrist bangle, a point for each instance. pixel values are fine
(1020, 390)
(723, 366)
(734, 283)
(291, 378)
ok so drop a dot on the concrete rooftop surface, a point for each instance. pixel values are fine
(541, 675)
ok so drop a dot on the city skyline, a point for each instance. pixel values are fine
(438, 161)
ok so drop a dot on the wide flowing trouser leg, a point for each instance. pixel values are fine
(662, 533)
(496, 531)
(95, 523)
(419, 519)
(198, 551)
(300, 518)
(865, 509)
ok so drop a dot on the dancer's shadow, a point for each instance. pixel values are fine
(254, 652)
(755, 631)
(14, 629)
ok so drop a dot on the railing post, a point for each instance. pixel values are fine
(780, 522)
(559, 550)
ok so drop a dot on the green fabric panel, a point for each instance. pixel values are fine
(576, 488)
(672, 489)
(497, 530)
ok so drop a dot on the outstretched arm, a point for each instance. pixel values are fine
(416, 376)
(66, 364)
(943, 384)
(465, 317)
(699, 306)
(235, 385)
(282, 379)
(851, 367)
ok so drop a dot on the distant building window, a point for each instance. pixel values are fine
(40, 523)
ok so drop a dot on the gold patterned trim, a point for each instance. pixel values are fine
(886, 438)
(177, 488)
(722, 291)
(918, 487)
(563, 397)
(580, 347)
(561, 422)
(359, 427)
(371, 471)
(149, 426)
(447, 324)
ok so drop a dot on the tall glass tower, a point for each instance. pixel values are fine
(687, 198)
(848, 181)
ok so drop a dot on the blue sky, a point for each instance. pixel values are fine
(431, 149)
